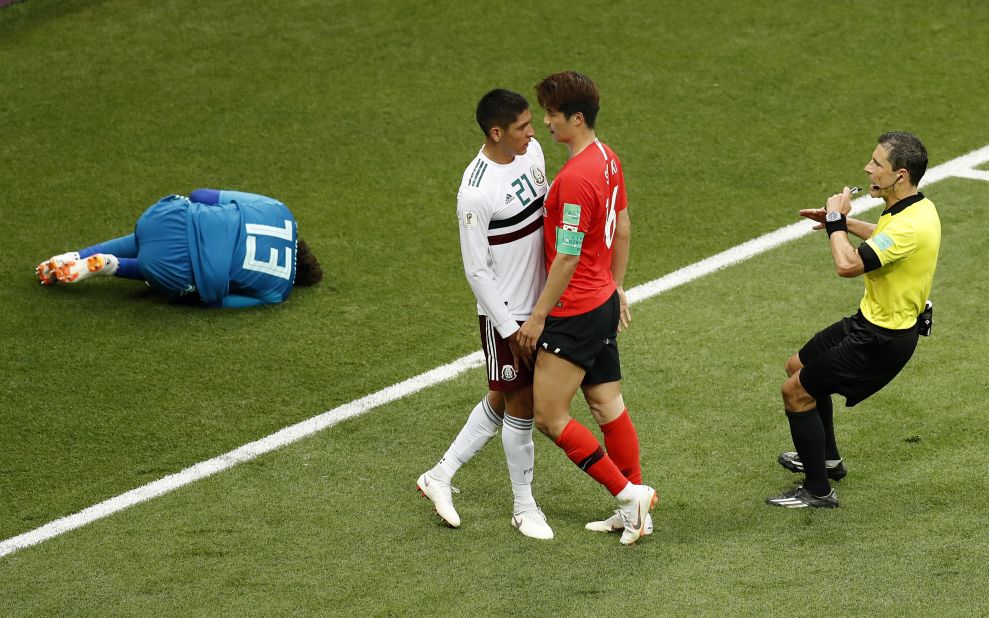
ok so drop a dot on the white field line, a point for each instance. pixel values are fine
(961, 167)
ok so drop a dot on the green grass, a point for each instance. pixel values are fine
(360, 118)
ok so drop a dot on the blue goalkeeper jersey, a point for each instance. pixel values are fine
(235, 249)
(242, 248)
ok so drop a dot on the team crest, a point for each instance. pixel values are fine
(537, 175)
(508, 373)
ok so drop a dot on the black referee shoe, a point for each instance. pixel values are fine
(791, 461)
(800, 498)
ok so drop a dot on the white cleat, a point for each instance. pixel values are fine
(635, 512)
(615, 524)
(532, 523)
(74, 271)
(440, 493)
(46, 271)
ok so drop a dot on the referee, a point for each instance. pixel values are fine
(857, 356)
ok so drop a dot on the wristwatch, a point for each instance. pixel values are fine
(835, 221)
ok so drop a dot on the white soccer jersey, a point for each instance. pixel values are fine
(500, 208)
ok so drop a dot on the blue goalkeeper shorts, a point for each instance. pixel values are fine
(163, 246)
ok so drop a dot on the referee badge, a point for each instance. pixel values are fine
(508, 373)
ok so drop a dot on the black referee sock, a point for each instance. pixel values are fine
(826, 409)
(807, 431)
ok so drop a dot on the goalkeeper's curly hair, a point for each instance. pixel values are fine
(307, 269)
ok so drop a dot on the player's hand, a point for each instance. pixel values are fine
(624, 317)
(841, 202)
(814, 214)
(519, 354)
(529, 333)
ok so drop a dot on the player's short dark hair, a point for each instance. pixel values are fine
(499, 108)
(906, 151)
(570, 92)
(307, 268)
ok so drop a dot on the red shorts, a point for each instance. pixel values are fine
(499, 362)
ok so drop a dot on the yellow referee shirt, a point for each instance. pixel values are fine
(900, 259)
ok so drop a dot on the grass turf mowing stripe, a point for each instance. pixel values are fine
(964, 166)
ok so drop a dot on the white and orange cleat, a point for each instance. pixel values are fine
(74, 271)
(47, 269)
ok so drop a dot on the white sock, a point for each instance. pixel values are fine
(626, 495)
(112, 264)
(516, 437)
(481, 426)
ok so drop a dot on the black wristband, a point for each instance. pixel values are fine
(841, 225)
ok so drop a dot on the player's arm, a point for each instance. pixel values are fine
(619, 262)
(235, 301)
(205, 196)
(213, 197)
(569, 240)
(474, 215)
(557, 280)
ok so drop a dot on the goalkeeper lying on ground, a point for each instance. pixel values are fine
(231, 249)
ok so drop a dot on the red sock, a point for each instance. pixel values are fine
(584, 450)
(622, 444)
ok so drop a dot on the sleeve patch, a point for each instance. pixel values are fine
(883, 241)
(569, 242)
(469, 220)
(571, 214)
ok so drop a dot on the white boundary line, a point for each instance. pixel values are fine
(961, 167)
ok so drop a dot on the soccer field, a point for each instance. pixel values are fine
(359, 116)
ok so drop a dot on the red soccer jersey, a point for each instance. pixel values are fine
(586, 196)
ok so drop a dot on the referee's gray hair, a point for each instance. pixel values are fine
(906, 151)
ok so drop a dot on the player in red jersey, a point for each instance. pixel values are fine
(577, 317)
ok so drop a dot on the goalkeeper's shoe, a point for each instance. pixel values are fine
(800, 498)
(441, 494)
(791, 461)
(634, 513)
(74, 271)
(46, 270)
(615, 524)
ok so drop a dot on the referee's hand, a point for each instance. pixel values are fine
(816, 215)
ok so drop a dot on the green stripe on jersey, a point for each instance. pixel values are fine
(479, 169)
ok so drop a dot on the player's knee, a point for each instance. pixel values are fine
(519, 404)
(496, 400)
(550, 425)
(793, 365)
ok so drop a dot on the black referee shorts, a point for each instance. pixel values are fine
(587, 340)
(854, 358)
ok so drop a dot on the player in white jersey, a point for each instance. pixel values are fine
(500, 213)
